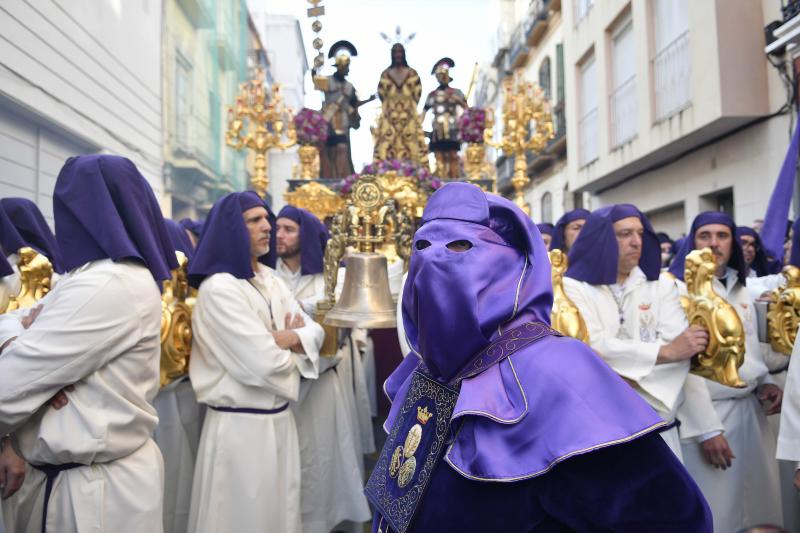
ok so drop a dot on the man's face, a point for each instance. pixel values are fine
(398, 54)
(748, 243)
(442, 77)
(629, 232)
(547, 240)
(666, 251)
(258, 227)
(719, 238)
(343, 68)
(287, 235)
(572, 230)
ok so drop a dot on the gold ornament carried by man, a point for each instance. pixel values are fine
(725, 352)
(177, 301)
(35, 272)
(566, 317)
(783, 315)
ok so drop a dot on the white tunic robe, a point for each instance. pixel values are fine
(247, 476)
(110, 352)
(331, 481)
(748, 492)
(652, 317)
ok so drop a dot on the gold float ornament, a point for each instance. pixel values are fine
(476, 166)
(566, 317)
(317, 198)
(725, 352)
(783, 315)
(527, 127)
(260, 122)
(309, 162)
(35, 273)
(177, 302)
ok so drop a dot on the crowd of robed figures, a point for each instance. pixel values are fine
(266, 435)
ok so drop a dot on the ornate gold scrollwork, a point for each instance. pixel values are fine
(783, 316)
(725, 352)
(566, 317)
(177, 302)
(35, 272)
(316, 198)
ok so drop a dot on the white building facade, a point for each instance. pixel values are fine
(75, 82)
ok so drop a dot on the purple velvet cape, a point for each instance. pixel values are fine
(594, 256)
(180, 240)
(313, 238)
(761, 265)
(537, 414)
(33, 228)
(104, 208)
(736, 261)
(10, 242)
(561, 224)
(224, 245)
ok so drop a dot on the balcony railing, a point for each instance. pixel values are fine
(536, 21)
(622, 103)
(589, 149)
(518, 48)
(672, 77)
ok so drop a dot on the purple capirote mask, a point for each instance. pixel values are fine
(456, 303)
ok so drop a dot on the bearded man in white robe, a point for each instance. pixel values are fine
(331, 479)
(735, 468)
(77, 382)
(633, 316)
(252, 343)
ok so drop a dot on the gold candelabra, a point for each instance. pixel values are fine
(260, 121)
(527, 126)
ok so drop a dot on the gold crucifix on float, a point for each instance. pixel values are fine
(527, 127)
(260, 121)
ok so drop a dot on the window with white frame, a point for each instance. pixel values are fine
(672, 73)
(588, 149)
(622, 101)
(582, 8)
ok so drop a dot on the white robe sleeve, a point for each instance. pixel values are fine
(311, 338)
(697, 414)
(789, 435)
(76, 333)
(631, 359)
(241, 342)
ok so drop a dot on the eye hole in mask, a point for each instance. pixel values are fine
(459, 246)
(422, 244)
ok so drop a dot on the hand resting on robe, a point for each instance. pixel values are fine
(287, 339)
(12, 469)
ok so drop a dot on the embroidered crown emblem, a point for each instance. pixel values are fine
(423, 415)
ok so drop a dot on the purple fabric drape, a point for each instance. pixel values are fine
(32, 227)
(773, 232)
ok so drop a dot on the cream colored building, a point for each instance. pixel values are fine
(668, 105)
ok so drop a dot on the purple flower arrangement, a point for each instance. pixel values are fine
(471, 125)
(311, 127)
(426, 180)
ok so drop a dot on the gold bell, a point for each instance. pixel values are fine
(366, 301)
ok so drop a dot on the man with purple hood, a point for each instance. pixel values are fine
(633, 315)
(251, 344)
(735, 468)
(325, 411)
(546, 229)
(567, 229)
(763, 274)
(497, 422)
(96, 338)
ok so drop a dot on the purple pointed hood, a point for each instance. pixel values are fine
(455, 303)
(104, 208)
(736, 262)
(224, 245)
(32, 227)
(10, 242)
(561, 224)
(595, 255)
(180, 240)
(313, 238)
(762, 265)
